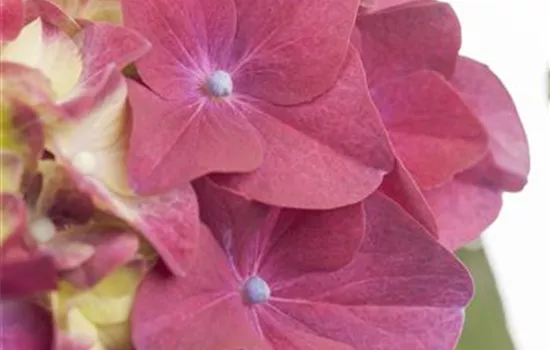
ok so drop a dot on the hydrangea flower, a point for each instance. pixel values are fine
(451, 122)
(278, 80)
(283, 279)
(240, 174)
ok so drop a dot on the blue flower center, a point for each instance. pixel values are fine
(219, 84)
(256, 290)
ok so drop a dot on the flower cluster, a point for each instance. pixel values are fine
(243, 174)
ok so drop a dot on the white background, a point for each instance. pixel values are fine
(513, 38)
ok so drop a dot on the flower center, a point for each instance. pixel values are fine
(256, 290)
(219, 84)
(85, 162)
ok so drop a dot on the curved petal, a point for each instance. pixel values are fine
(95, 142)
(401, 187)
(406, 39)
(284, 332)
(370, 6)
(12, 17)
(434, 133)
(112, 250)
(470, 198)
(48, 49)
(189, 38)
(170, 221)
(192, 140)
(104, 43)
(51, 13)
(183, 318)
(25, 326)
(279, 243)
(324, 154)
(485, 94)
(402, 291)
(290, 52)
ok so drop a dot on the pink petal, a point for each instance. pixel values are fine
(290, 52)
(12, 17)
(190, 306)
(192, 140)
(470, 198)
(25, 326)
(434, 133)
(239, 225)
(285, 332)
(405, 39)
(279, 244)
(168, 221)
(401, 187)
(402, 291)
(112, 249)
(103, 44)
(485, 94)
(69, 255)
(324, 154)
(188, 37)
(51, 13)
(91, 91)
(370, 6)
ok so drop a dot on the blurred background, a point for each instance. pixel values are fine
(511, 264)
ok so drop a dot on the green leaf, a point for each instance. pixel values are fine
(485, 327)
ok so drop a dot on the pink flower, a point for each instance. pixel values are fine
(268, 95)
(451, 122)
(271, 278)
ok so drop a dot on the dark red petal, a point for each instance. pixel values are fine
(406, 39)
(485, 94)
(285, 332)
(188, 37)
(434, 133)
(304, 242)
(289, 52)
(12, 17)
(240, 226)
(324, 154)
(202, 310)
(401, 187)
(26, 276)
(278, 243)
(25, 326)
(403, 290)
(465, 207)
(173, 143)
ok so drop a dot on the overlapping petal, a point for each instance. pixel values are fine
(296, 98)
(93, 149)
(380, 297)
(408, 38)
(487, 97)
(433, 131)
